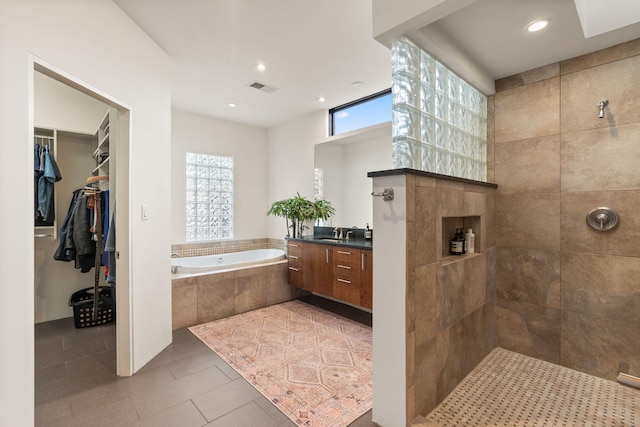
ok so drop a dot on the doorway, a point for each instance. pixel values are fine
(119, 130)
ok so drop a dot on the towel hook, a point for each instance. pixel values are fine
(387, 194)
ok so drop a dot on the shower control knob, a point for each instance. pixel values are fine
(602, 219)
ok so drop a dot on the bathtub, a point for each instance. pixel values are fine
(199, 264)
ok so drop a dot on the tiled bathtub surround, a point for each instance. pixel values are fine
(205, 297)
(566, 293)
(225, 247)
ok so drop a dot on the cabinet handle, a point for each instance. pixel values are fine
(326, 251)
(293, 257)
(294, 269)
(362, 261)
(294, 245)
(344, 253)
(348, 282)
(344, 266)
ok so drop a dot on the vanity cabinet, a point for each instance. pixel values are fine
(317, 268)
(335, 271)
(294, 255)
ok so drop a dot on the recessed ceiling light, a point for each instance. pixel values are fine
(261, 67)
(357, 84)
(231, 105)
(537, 25)
(321, 99)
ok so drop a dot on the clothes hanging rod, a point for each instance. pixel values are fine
(44, 137)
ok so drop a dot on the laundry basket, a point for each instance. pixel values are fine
(82, 303)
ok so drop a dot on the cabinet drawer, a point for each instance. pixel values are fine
(346, 267)
(295, 276)
(294, 248)
(346, 254)
(295, 262)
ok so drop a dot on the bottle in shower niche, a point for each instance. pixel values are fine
(457, 243)
(471, 241)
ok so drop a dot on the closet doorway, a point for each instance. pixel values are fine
(86, 154)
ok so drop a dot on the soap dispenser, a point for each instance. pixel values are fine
(368, 233)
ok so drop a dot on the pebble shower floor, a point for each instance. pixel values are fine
(509, 389)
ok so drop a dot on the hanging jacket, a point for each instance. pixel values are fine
(51, 174)
(81, 235)
(64, 253)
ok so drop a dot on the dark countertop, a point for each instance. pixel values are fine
(356, 243)
(406, 171)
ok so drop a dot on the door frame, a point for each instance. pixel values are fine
(124, 303)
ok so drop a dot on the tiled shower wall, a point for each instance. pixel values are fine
(450, 301)
(566, 293)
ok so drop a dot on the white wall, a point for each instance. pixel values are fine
(389, 302)
(58, 106)
(248, 147)
(359, 159)
(290, 162)
(330, 158)
(93, 41)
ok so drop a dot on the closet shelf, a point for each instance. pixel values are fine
(101, 165)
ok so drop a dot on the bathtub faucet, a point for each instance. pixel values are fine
(175, 255)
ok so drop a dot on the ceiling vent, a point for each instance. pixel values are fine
(263, 87)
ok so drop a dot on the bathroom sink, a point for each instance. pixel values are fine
(329, 239)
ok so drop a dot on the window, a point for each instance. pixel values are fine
(368, 111)
(209, 197)
(439, 120)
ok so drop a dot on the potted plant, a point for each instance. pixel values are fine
(298, 209)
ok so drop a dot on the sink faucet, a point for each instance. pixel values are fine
(348, 234)
(337, 232)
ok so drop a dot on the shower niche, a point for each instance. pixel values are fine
(449, 227)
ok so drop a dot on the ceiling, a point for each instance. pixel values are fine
(319, 48)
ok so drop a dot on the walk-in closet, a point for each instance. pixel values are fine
(74, 210)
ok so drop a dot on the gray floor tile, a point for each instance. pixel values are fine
(50, 373)
(152, 400)
(363, 421)
(250, 415)
(225, 399)
(193, 363)
(121, 413)
(88, 365)
(176, 351)
(272, 410)
(119, 390)
(184, 414)
(288, 423)
(58, 410)
(70, 385)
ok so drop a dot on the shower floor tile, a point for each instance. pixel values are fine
(509, 389)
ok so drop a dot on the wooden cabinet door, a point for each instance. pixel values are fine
(346, 275)
(366, 279)
(295, 252)
(317, 269)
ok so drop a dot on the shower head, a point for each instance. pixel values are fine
(601, 105)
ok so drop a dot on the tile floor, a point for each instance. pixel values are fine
(510, 389)
(185, 385)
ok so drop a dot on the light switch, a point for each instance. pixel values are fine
(145, 212)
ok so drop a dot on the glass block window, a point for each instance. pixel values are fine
(209, 197)
(439, 121)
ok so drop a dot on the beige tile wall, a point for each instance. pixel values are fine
(450, 313)
(206, 297)
(566, 293)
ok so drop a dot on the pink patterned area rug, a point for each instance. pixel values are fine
(312, 364)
